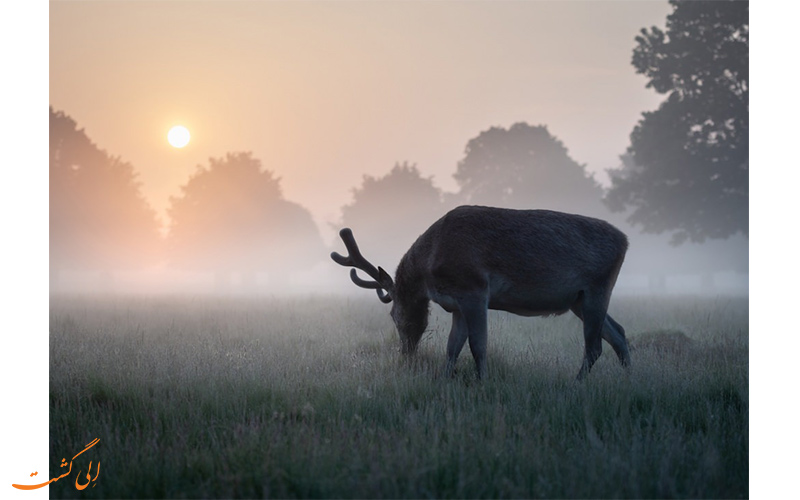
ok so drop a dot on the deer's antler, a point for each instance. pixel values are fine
(383, 282)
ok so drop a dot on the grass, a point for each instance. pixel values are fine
(308, 397)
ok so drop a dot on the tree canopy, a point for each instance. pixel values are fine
(98, 218)
(231, 217)
(686, 170)
(525, 166)
(387, 214)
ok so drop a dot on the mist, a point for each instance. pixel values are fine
(231, 231)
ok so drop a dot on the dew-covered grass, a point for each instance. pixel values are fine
(207, 397)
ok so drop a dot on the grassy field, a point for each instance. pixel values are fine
(309, 397)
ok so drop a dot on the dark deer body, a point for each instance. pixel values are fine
(527, 262)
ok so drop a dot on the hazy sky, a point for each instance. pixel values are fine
(325, 92)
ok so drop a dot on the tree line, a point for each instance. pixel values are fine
(685, 173)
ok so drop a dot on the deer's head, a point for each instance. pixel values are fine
(409, 312)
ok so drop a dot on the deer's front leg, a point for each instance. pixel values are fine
(470, 322)
(477, 322)
(455, 342)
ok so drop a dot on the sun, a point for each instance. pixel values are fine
(178, 136)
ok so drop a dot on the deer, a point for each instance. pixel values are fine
(526, 262)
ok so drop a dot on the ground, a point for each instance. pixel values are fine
(309, 397)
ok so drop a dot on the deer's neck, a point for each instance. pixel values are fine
(409, 286)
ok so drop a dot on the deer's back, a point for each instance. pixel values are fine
(519, 256)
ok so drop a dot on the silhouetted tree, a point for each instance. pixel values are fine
(231, 218)
(98, 218)
(525, 167)
(687, 167)
(389, 213)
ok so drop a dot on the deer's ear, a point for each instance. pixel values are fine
(384, 278)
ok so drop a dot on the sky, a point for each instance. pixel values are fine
(326, 92)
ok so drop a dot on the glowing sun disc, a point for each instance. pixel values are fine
(178, 136)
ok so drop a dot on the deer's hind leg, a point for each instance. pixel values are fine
(591, 309)
(614, 334)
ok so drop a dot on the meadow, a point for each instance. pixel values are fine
(239, 397)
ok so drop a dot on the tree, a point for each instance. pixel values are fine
(687, 166)
(525, 167)
(98, 218)
(389, 213)
(231, 218)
